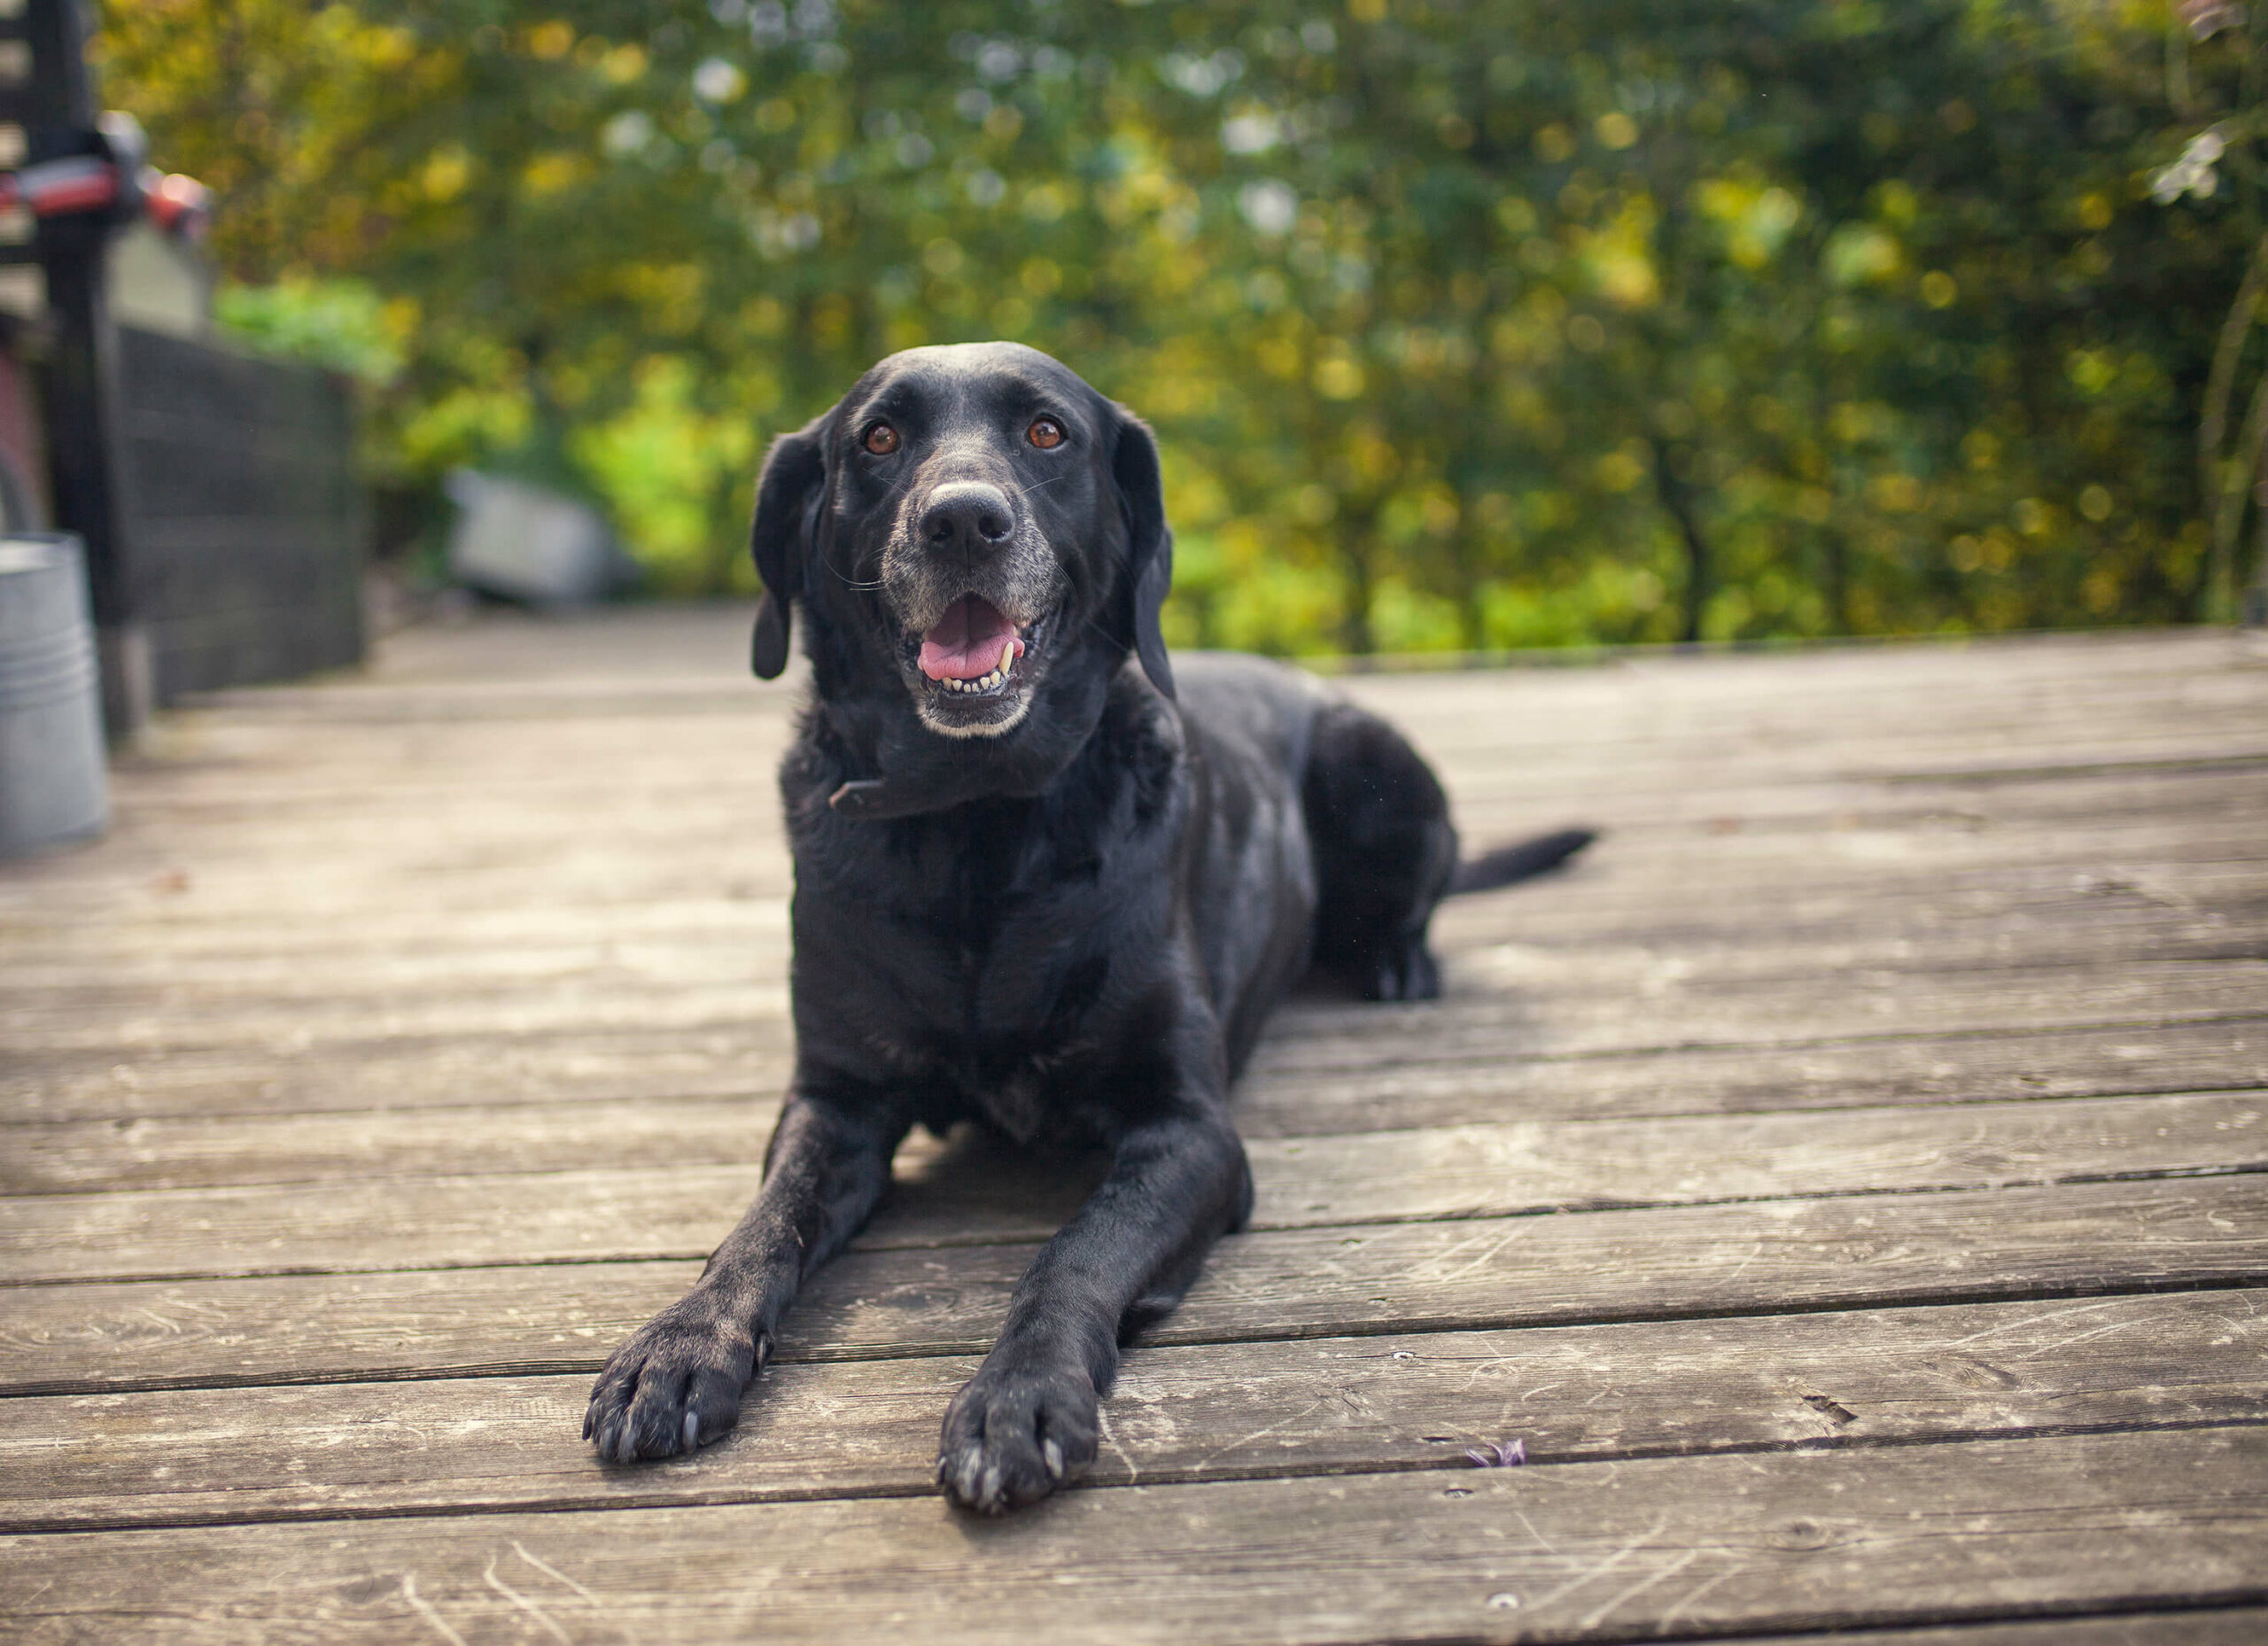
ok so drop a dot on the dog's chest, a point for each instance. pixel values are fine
(1019, 1046)
(987, 982)
(1031, 1104)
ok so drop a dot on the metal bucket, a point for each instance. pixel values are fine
(51, 777)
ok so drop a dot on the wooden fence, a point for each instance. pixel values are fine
(247, 522)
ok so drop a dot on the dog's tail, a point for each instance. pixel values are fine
(1523, 860)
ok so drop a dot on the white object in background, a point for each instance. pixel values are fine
(52, 784)
(521, 542)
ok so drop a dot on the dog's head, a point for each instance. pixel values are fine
(967, 525)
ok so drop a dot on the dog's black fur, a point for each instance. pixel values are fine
(1059, 905)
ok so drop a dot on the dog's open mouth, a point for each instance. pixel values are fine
(973, 649)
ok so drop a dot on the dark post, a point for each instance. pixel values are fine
(87, 448)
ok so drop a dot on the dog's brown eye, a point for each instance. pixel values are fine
(882, 439)
(1046, 433)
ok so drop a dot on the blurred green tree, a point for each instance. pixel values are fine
(1465, 323)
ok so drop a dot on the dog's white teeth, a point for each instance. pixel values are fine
(985, 682)
(981, 683)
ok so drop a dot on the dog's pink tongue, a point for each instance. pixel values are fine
(967, 640)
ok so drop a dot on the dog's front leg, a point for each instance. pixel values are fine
(1028, 1420)
(677, 1383)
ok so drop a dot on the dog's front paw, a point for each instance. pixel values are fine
(674, 1385)
(1013, 1434)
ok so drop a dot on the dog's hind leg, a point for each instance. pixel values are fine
(677, 1383)
(1383, 852)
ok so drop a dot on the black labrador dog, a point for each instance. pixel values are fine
(1045, 880)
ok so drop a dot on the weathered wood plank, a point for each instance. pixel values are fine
(1506, 1000)
(1476, 1169)
(1776, 1541)
(1672, 1263)
(1611, 722)
(1179, 1414)
(1276, 1101)
(2031, 917)
(729, 821)
(553, 861)
(1523, 1018)
(2014, 906)
(971, 1191)
(1606, 998)
(89, 1156)
(324, 815)
(287, 1077)
(1524, 1165)
(752, 1064)
(2037, 917)
(716, 834)
(698, 749)
(1798, 703)
(237, 926)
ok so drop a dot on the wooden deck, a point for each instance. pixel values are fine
(1847, 1181)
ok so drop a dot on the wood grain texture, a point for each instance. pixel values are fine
(752, 1064)
(1574, 1268)
(1808, 1176)
(1509, 1000)
(1385, 1169)
(558, 869)
(1613, 1550)
(2096, 925)
(1179, 1413)
(970, 1190)
(1282, 1101)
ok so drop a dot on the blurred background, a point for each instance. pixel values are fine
(1464, 326)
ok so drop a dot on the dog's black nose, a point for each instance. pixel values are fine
(967, 515)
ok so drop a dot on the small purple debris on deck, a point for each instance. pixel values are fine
(1504, 1454)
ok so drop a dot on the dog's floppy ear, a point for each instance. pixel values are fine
(1149, 543)
(789, 495)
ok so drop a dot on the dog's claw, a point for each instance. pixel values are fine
(677, 1382)
(1013, 1435)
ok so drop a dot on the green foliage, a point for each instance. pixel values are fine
(341, 324)
(1463, 322)
(675, 471)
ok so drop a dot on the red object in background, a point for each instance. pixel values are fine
(80, 174)
(178, 205)
(83, 184)
(71, 187)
